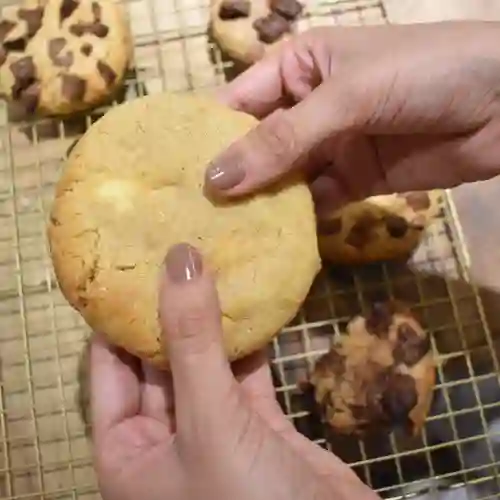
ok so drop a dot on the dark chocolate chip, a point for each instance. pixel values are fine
(73, 87)
(399, 398)
(289, 9)
(331, 362)
(16, 45)
(107, 73)
(396, 226)
(86, 49)
(5, 28)
(379, 320)
(418, 200)
(331, 226)
(410, 347)
(24, 73)
(33, 18)
(67, 8)
(361, 232)
(271, 28)
(234, 9)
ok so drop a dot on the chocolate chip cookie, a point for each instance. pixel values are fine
(380, 376)
(62, 56)
(246, 29)
(133, 186)
(379, 228)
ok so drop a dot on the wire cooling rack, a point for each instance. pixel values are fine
(44, 448)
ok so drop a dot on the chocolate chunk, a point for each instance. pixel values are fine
(107, 73)
(97, 11)
(55, 47)
(67, 8)
(418, 200)
(3, 55)
(399, 398)
(410, 347)
(97, 29)
(30, 97)
(86, 49)
(16, 45)
(33, 18)
(331, 362)
(331, 226)
(234, 9)
(24, 73)
(379, 319)
(73, 87)
(361, 232)
(5, 28)
(396, 226)
(271, 28)
(289, 9)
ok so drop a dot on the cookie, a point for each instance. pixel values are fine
(58, 57)
(380, 376)
(380, 228)
(133, 186)
(246, 29)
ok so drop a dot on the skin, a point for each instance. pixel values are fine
(360, 111)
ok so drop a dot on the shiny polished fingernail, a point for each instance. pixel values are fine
(183, 263)
(222, 178)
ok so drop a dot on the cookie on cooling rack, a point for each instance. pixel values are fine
(246, 29)
(379, 228)
(380, 376)
(133, 186)
(62, 56)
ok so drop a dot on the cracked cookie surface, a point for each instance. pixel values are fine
(134, 185)
(381, 375)
(246, 29)
(62, 56)
(379, 228)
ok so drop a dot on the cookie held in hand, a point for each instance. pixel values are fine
(380, 376)
(380, 228)
(58, 57)
(246, 29)
(133, 186)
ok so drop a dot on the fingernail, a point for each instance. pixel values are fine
(222, 178)
(183, 263)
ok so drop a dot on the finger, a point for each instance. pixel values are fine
(157, 398)
(114, 386)
(191, 320)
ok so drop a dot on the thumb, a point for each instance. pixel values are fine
(191, 321)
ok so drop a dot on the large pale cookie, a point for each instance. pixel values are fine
(62, 56)
(133, 186)
(379, 228)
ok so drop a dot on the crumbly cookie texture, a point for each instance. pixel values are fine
(381, 375)
(246, 29)
(58, 57)
(133, 186)
(379, 228)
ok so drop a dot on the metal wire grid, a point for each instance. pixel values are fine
(44, 450)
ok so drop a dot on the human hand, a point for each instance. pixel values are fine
(204, 430)
(369, 110)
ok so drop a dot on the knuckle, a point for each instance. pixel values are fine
(276, 137)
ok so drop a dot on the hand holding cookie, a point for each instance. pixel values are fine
(206, 430)
(369, 110)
